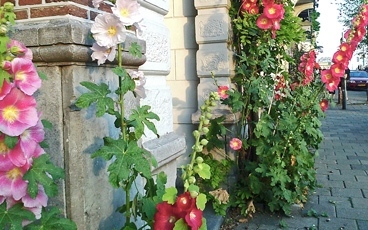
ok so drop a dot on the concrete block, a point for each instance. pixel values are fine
(184, 8)
(214, 27)
(185, 65)
(200, 4)
(337, 223)
(184, 36)
(347, 192)
(215, 59)
(352, 213)
(184, 94)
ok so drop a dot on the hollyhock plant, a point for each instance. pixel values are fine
(165, 217)
(108, 31)
(222, 92)
(127, 11)
(12, 183)
(17, 113)
(324, 105)
(5, 89)
(194, 218)
(101, 54)
(235, 144)
(25, 75)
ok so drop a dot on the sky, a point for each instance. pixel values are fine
(331, 31)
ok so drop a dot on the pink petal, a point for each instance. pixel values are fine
(25, 75)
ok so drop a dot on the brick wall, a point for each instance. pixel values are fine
(43, 9)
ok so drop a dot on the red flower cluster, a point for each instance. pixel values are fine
(324, 104)
(250, 6)
(307, 66)
(279, 87)
(271, 17)
(341, 58)
(184, 208)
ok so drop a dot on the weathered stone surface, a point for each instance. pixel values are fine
(213, 27)
(214, 58)
(200, 4)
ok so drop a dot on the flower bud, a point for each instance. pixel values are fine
(8, 6)
(191, 180)
(196, 133)
(6, 65)
(208, 115)
(205, 130)
(202, 118)
(204, 142)
(3, 30)
(206, 121)
(199, 160)
(193, 194)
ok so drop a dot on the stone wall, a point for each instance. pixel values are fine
(60, 40)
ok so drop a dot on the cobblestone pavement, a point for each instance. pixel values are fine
(342, 171)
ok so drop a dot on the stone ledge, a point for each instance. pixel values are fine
(230, 117)
(166, 148)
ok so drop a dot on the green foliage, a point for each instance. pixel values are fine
(170, 195)
(43, 172)
(201, 201)
(129, 159)
(13, 217)
(135, 50)
(51, 219)
(10, 141)
(280, 135)
(140, 118)
(99, 95)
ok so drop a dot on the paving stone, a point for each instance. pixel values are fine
(322, 192)
(362, 224)
(346, 192)
(353, 172)
(331, 184)
(359, 202)
(357, 157)
(355, 184)
(352, 213)
(339, 166)
(365, 193)
(363, 179)
(342, 177)
(359, 166)
(337, 223)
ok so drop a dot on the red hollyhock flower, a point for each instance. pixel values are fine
(263, 22)
(268, 2)
(164, 217)
(222, 91)
(235, 143)
(184, 204)
(273, 11)
(254, 9)
(194, 219)
(338, 70)
(324, 104)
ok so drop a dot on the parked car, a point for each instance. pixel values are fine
(358, 80)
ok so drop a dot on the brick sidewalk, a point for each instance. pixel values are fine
(342, 172)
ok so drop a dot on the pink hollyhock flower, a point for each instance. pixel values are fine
(263, 22)
(16, 48)
(101, 54)
(30, 138)
(12, 183)
(5, 89)
(17, 113)
(39, 201)
(164, 218)
(96, 3)
(12, 157)
(235, 144)
(324, 104)
(127, 11)
(140, 81)
(268, 2)
(339, 57)
(25, 75)
(222, 91)
(254, 9)
(194, 219)
(2, 199)
(108, 31)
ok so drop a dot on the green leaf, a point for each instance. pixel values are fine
(3, 42)
(14, 216)
(46, 124)
(98, 95)
(149, 208)
(160, 183)
(204, 224)
(135, 50)
(201, 201)
(141, 117)
(181, 225)
(10, 17)
(205, 173)
(130, 226)
(129, 157)
(4, 76)
(43, 172)
(51, 219)
(127, 84)
(170, 195)
(42, 75)
(10, 141)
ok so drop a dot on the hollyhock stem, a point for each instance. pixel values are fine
(123, 131)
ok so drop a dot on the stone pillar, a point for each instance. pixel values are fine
(215, 55)
(169, 146)
(58, 32)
